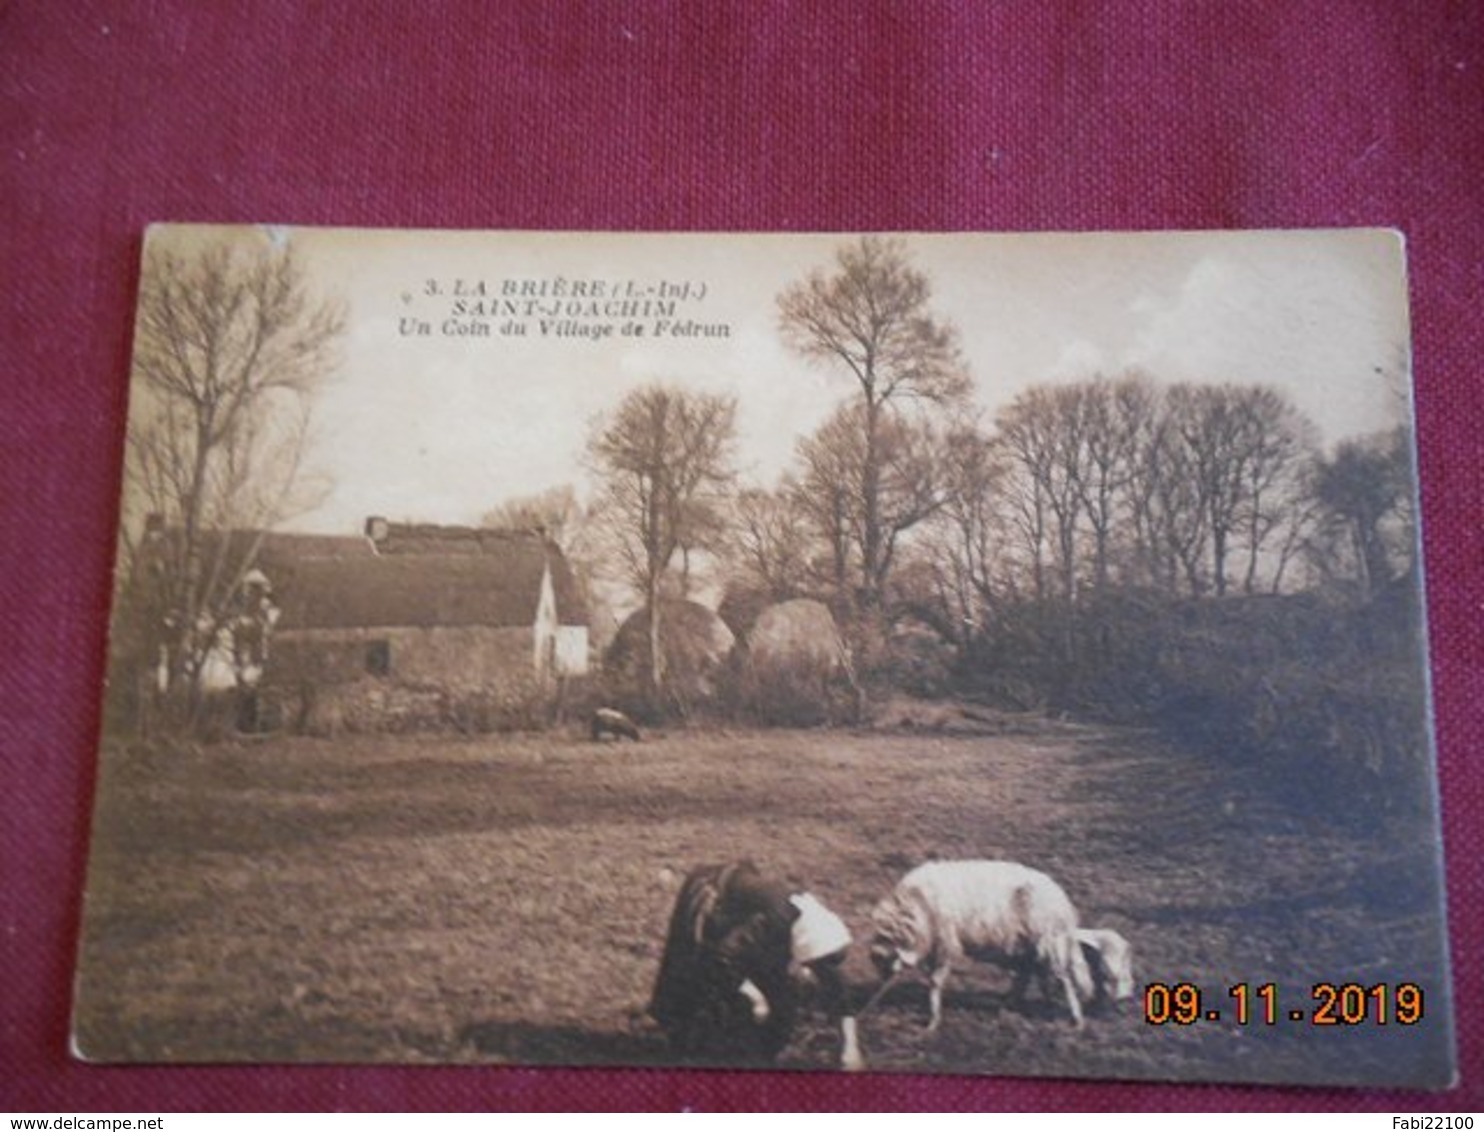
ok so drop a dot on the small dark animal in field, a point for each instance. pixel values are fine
(610, 721)
(1110, 959)
(996, 911)
(739, 952)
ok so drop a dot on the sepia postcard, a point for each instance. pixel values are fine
(956, 653)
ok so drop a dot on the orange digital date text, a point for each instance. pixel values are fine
(1248, 1004)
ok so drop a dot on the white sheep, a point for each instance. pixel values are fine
(996, 911)
(1110, 958)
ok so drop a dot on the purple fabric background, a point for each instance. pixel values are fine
(1009, 116)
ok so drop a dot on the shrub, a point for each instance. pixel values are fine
(1324, 696)
(916, 660)
(793, 692)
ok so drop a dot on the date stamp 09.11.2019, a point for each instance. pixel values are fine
(1247, 1004)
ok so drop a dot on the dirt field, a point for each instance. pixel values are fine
(428, 898)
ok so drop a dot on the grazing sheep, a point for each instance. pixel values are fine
(996, 911)
(610, 721)
(1110, 958)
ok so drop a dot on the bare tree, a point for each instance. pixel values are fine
(1043, 435)
(230, 346)
(1301, 531)
(665, 459)
(871, 319)
(906, 492)
(1280, 444)
(964, 547)
(554, 512)
(1366, 488)
(1240, 443)
(771, 541)
(828, 493)
(1023, 495)
(1113, 419)
(1176, 506)
(1139, 409)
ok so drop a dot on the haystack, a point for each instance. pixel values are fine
(797, 635)
(695, 642)
(798, 667)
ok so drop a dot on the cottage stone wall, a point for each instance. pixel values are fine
(452, 657)
(472, 679)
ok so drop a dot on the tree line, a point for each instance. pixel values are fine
(1182, 553)
(906, 501)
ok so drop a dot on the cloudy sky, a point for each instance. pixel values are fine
(441, 427)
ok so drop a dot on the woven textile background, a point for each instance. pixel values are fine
(1012, 115)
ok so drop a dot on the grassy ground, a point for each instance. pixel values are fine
(419, 899)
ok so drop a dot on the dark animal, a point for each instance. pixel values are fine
(730, 982)
(610, 721)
